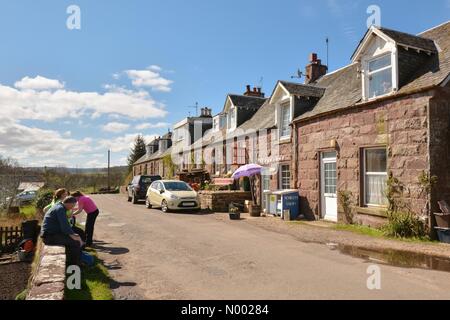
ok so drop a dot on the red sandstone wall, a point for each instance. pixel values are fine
(402, 125)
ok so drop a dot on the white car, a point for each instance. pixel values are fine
(172, 195)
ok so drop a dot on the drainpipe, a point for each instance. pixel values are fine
(295, 155)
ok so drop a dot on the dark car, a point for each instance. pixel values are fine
(137, 189)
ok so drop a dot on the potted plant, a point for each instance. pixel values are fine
(234, 212)
(254, 210)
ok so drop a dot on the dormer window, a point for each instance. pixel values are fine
(379, 76)
(232, 119)
(285, 128)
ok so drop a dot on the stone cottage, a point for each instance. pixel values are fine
(386, 116)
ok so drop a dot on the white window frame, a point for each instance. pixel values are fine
(283, 108)
(369, 74)
(365, 174)
(232, 118)
(280, 176)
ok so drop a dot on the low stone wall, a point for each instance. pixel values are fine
(48, 280)
(218, 201)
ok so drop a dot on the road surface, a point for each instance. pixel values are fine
(151, 255)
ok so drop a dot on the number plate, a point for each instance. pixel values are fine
(188, 204)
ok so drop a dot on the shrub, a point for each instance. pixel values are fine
(404, 225)
(43, 199)
(345, 200)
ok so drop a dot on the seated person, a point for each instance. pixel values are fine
(59, 196)
(56, 230)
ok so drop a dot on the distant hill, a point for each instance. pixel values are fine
(79, 170)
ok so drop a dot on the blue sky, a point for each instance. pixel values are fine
(135, 66)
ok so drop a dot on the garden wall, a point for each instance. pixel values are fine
(48, 280)
(218, 201)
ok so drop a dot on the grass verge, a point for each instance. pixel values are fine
(94, 283)
(379, 233)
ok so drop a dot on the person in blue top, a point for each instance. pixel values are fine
(57, 231)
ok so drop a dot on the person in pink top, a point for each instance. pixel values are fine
(87, 205)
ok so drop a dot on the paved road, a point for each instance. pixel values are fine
(152, 255)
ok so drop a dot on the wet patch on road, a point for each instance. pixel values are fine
(396, 258)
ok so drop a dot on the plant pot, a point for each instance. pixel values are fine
(442, 220)
(255, 211)
(443, 234)
(235, 216)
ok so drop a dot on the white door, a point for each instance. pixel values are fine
(329, 186)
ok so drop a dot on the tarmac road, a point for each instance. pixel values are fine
(152, 255)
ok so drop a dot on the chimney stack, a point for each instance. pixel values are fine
(315, 69)
(256, 92)
(206, 112)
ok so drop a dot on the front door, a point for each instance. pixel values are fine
(329, 186)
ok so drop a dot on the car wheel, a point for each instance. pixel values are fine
(134, 200)
(147, 203)
(164, 206)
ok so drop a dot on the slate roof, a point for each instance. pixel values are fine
(303, 89)
(264, 118)
(343, 88)
(157, 155)
(410, 40)
(241, 101)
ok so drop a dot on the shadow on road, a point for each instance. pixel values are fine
(111, 250)
(116, 284)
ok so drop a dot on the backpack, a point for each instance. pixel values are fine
(87, 259)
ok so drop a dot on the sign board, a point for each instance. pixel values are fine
(223, 181)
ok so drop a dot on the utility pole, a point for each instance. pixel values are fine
(109, 166)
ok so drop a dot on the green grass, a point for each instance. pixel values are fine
(371, 232)
(359, 229)
(379, 233)
(28, 212)
(94, 283)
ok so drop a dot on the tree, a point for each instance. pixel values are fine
(137, 152)
(10, 177)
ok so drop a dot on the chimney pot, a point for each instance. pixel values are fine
(315, 69)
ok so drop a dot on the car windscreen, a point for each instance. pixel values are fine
(177, 186)
(147, 180)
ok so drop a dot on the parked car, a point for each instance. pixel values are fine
(137, 189)
(25, 197)
(172, 195)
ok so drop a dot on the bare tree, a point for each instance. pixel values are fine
(10, 177)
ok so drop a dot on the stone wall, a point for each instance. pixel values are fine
(218, 201)
(48, 280)
(440, 146)
(401, 125)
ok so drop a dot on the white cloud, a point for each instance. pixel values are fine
(52, 105)
(158, 125)
(115, 127)
(155, 68)
(35, 144)
(38, 83)
(149, 78)
(123, 143)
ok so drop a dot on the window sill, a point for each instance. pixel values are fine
(284, 140)
(393, 92)
(372, 211)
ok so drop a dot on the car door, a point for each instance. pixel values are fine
(154, 193)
